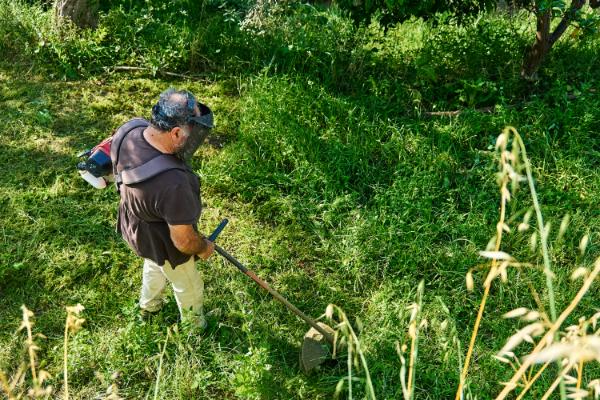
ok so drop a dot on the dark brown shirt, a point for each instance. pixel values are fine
(147, 208)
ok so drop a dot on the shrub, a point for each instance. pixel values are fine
(23, 29)
(399, 10)
(476, 62)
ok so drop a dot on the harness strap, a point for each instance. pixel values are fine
(150, 169)
(143, 172)
(119, 136)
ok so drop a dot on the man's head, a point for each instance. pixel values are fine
(186, 121)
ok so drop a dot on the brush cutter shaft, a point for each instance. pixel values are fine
(274, 293)
(213, 236)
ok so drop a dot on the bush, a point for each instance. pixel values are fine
(154, 36)
(478, 63)
(289, 38)
(414, 64)
(393, 11)
(23, 29)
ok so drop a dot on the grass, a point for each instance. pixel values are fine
(336, 193)
(321, 233)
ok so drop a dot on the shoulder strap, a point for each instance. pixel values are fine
(117, 141)
(150, 169)
(143, 172)
(119, 136)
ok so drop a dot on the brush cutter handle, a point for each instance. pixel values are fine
(213, 236)
(274, 293)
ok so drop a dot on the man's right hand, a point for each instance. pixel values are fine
(208, 250)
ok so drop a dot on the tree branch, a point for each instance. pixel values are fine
(568, 17)
(456, 113)
(159, 72)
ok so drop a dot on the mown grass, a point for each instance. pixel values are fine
(339, 190)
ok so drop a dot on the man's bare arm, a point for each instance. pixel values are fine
(188, 241)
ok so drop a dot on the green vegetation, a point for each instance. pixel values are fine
(340, 184)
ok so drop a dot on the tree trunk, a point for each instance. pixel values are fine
(544, 40)
(540, 47)
(83, 13)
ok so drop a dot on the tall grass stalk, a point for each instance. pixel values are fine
(540, 221)
(579, 374)
(12, 389)
(6, 387)
(504, 198)
(543, 235)
(557, 382)
(509, 174)
(548, 337)
(72, 324)
(65, 362)
(160, 364)
(355, 352)
(415, 324)
(349, 365)
(31, 347)
(38, 377)
(531, 381)
(463, 375)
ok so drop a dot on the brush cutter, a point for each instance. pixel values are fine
(317, 341)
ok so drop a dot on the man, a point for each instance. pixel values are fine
(159, 210)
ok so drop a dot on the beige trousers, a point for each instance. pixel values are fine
(186, 281)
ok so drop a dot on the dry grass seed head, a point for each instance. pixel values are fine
(502, 141)
(329, 311)
(576, 393)
(506, 194)
(503, 269)
(595, 386)
(586, 348)
(569, 379)
(563, 226)
(522, 227)
(524, 334)
(494, 272)
(469, 279)
(533, 242)
(74, 323)
(491, 244)
(502, 359)
(531, 316)
(26, 321)
(444, 325)
(496, 255)
(580, 272)
(583, 243)
(517, 312)
(546, 231)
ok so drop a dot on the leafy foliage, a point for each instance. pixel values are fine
(399, 10)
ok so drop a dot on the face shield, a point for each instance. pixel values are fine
(200, 127)
(170, 112)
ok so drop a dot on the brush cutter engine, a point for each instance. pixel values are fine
(97, 169)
